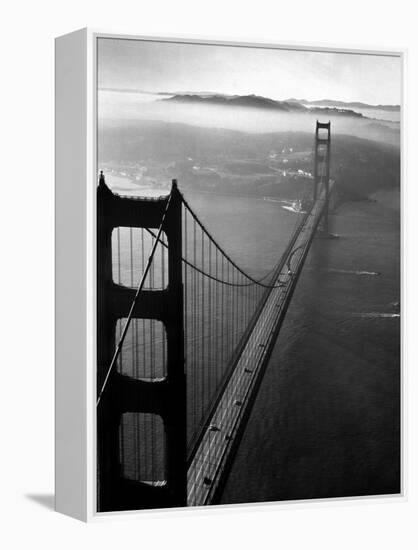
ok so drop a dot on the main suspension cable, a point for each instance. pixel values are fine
(210, 276)
(225, 254)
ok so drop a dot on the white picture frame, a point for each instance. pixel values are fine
(75, 222)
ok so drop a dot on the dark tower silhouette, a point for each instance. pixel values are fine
(322, 163)
(165, 397)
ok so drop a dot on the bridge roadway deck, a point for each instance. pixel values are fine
(208, 468)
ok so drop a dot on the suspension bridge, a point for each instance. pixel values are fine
(184, 336)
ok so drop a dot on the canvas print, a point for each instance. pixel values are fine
(248, 274)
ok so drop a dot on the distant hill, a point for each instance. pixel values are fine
(259, 102)
(252, 100)
(345, 104)
(336, 111)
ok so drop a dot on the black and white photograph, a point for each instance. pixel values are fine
(248, 273)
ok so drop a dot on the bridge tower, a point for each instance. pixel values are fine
(322, 164)
(165, 397)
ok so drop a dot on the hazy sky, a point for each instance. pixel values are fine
(279, 74)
